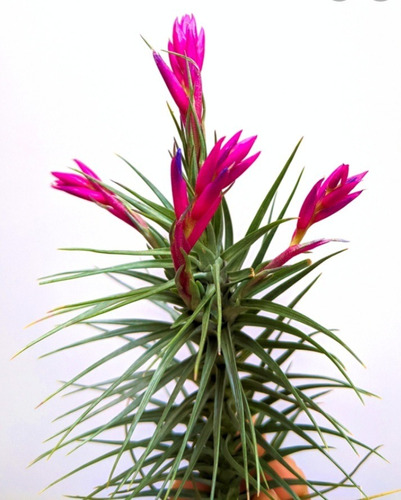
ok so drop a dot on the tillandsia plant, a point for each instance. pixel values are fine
(211, 379)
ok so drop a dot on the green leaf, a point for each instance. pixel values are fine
(98, 307)
(270, 195)
(181, 337)
(235, 384)
(287, 312)
(156, 191)
(202, 396)
(279, 290)
(299, 429)
(219, 397)
(205, 328)
(253, 346)
(269, 237)
(156, 252)
(144, 264)
(228, 226)
(219, 313)
(237, 252)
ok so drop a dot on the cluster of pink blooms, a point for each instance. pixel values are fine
(220, 169)
(324, 199)
(227, 160)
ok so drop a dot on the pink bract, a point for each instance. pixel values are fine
(224, 164)
(326, 198)
(88, 187)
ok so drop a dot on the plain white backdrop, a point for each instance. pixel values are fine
(76, 80)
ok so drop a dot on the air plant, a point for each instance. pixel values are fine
(212, 378)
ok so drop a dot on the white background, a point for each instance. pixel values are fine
(76, 80)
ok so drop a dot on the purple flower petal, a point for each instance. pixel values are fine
(179, 187)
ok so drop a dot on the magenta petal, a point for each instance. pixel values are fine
(336, 178)
(201, 48)
(326, 212)
(174, 62)
(355, 179)
(239, 169)
(70, 179)
(86, 170)
(83, 192)
(226, 149)
(203, 221)
(208, 195)
(335, 196)
(308, 207)
(208, 169)
(238, 152)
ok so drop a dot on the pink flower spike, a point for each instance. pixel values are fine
(326, 198)
(90, 189)
(213, 177)
(293, 251)
(179, 187)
